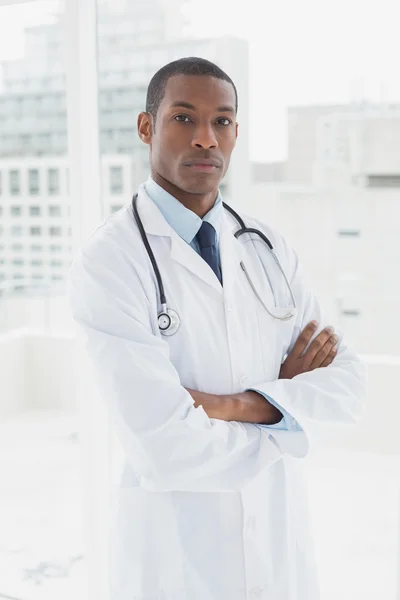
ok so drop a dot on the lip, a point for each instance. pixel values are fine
(203, 164)
(202, 167)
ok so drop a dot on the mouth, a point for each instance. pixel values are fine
(204, 165)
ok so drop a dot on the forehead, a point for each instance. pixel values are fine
(202, 91)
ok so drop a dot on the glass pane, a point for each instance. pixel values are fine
(116, 180)
(41, 512)
(54, 211)
(14, 181)
(33, 181)
(35, 211)
(53, 181)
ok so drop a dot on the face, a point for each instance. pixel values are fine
(194, 133)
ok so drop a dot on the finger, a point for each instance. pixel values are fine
(329, 359)
(317, 344)
(303, 339)
(324, 352)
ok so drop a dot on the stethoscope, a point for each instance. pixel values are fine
(168, 319)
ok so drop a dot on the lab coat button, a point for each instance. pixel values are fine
(242, 379)
(229, 308)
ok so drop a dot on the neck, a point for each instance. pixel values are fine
(200, 204)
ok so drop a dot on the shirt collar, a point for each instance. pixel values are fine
(184, 221)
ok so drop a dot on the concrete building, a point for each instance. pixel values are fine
(340, 209)
(134, 40)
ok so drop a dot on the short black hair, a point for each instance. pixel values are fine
(183, 66)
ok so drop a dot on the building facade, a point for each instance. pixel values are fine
(340, 209)
(134, 41)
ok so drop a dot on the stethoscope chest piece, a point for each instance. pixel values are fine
(168, 322)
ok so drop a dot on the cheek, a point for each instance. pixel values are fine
(227, 147)
(165, 153)
(167, 146)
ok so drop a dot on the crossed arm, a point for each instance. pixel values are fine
(251, 407)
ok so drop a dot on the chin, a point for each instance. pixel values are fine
(202, 185)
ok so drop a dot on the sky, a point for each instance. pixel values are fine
(301, 52)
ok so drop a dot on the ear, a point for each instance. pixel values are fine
(237, 129)
(145, 127)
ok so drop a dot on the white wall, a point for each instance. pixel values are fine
(46, 313)
(36, 372)
(14, 394)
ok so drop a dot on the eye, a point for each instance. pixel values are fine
(182, 118)
(224, 121)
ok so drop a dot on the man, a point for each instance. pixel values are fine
(214, 414)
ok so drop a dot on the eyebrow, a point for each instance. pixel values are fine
(183, 104)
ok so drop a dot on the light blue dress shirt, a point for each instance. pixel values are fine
(187, 224)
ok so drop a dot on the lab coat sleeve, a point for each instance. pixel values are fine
(326, 397)
(170, 444)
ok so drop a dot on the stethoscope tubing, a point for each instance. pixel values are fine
(243, 229)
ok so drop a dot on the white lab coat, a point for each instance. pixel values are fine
(206, 509)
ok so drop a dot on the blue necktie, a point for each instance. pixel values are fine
(207, 240)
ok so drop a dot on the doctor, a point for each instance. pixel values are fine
(215, 411)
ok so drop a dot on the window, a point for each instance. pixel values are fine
(18, 262)
(349, 233)
(53, 181)
(353, 312)
(67, 180)
(54, 211)
(1, 229)
(116, 184)
(55, 231)
(115, 207)
(36, 262)
(56, 263)
(37, 277)
(15, 211)
(1, 188)
(25, 140)
(15, 182)
(17, 247)
(36, 230)
(33, 182)
(55, 248)
(16, 230)
(35, 211)
(36, 248)
(1, 211)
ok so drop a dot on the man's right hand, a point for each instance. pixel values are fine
(321, 352)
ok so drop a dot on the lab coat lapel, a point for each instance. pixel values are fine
(180, 251)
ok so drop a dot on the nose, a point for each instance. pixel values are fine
(204, 137)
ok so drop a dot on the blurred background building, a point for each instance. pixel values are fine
(337, 199)
(134, 41)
